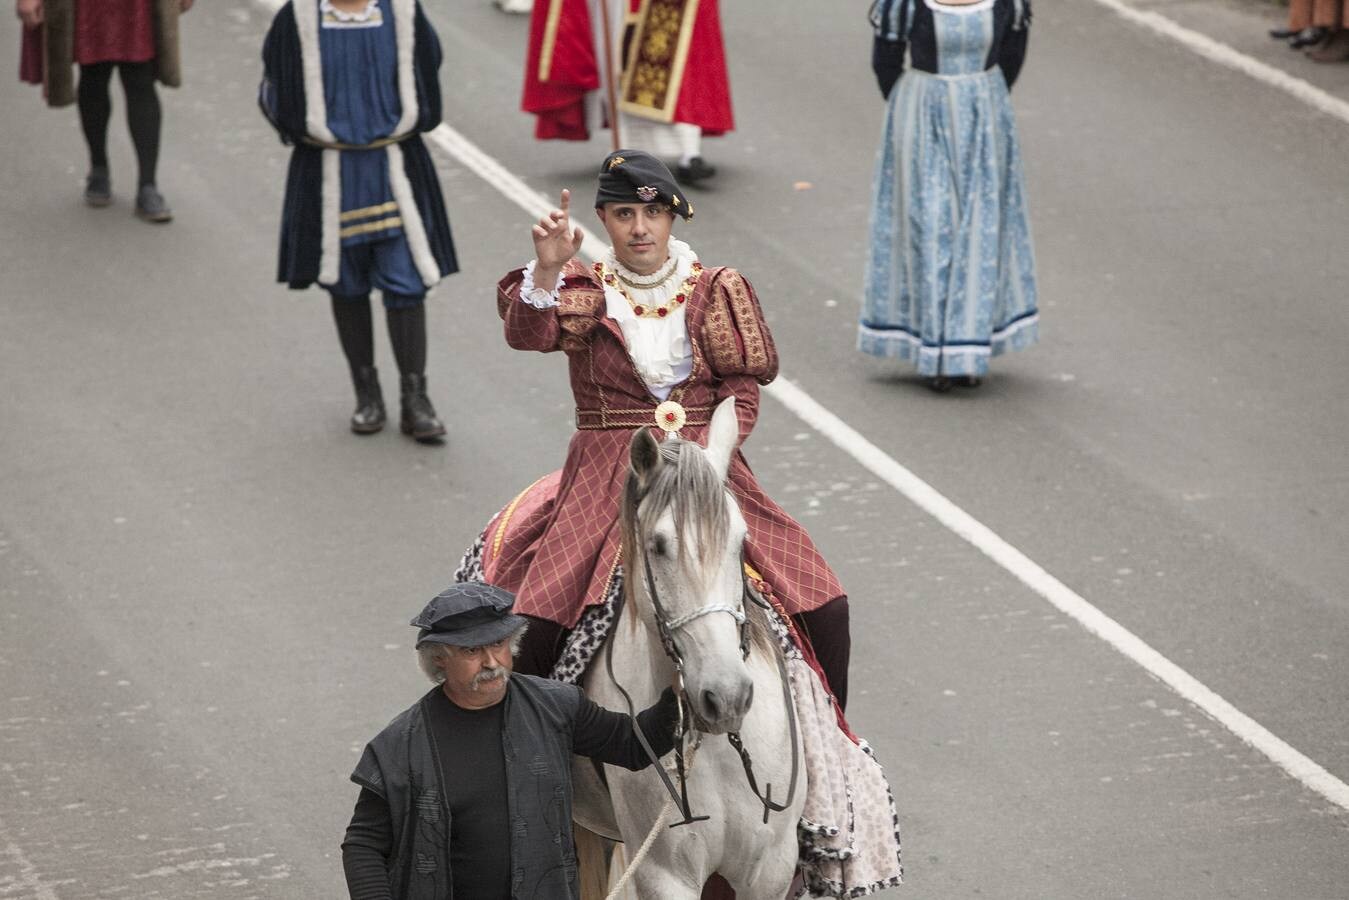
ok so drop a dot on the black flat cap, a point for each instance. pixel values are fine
(635, 176)
(469, 614)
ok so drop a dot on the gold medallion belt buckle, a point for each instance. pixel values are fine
(670, 417)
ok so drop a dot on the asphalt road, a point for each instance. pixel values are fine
(205, 580)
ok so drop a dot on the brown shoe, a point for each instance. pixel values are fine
(1334, 49)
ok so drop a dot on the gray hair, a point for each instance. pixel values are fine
(431, 652)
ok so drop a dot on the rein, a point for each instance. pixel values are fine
(680, 797)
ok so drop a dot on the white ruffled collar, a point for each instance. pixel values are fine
(659, 347)
(681, 260)
(327, 8)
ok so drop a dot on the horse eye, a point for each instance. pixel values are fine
(659, 546)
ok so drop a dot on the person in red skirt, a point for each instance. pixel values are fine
(138, 38)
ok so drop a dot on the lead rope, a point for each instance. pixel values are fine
(651, 836)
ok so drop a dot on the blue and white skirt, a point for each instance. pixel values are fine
(950, 280)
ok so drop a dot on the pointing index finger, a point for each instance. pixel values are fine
(566, 201)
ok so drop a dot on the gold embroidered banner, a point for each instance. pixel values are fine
(658, 56)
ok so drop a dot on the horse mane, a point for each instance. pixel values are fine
(688, 485)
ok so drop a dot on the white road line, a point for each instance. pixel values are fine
(925, 497)
(1226, 56)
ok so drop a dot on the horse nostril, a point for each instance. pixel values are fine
(712, 705)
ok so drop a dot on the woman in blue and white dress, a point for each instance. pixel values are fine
(950, 280)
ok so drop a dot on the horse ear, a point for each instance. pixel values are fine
(722, 436)
(644, 454)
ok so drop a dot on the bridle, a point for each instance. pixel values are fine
(666, 628)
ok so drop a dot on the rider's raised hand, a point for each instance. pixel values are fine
(555, 241)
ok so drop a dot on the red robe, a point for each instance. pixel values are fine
(675, 70)
(559, 555)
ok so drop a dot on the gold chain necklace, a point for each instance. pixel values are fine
(613, 280)
(653, 285)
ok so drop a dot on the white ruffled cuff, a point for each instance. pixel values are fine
(537, 297)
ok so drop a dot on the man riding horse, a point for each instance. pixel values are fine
(653, 339)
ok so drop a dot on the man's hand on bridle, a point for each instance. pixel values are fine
(555, 242)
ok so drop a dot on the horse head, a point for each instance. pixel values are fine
(682, 540)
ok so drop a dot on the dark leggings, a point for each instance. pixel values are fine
(142, 113)
(825, 628)
(407, 333)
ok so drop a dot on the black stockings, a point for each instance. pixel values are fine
(354, 330)
(826, 628)
(143, 114)
(407, 333)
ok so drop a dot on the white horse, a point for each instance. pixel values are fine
(681, 521)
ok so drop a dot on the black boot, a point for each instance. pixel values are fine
(369, 415)
(419, 416)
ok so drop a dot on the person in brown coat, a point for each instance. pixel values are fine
(139, 38)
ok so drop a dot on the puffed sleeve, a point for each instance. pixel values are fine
(890, 25)
(735, 337)
(566, 326)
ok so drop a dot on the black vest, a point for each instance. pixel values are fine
(400, 765)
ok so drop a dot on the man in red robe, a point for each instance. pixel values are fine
(670, 83)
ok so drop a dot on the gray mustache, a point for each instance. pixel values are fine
(486, 675)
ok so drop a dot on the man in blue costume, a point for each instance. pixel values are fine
(351, 85)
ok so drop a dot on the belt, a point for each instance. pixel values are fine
(668, 416)
(373, 145)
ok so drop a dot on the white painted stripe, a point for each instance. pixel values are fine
(925, 497)
(1224, 55)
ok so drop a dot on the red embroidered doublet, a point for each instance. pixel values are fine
(560, 551)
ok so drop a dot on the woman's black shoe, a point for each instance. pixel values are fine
(1282, 34)
(1308, 36)
(98, 187)
(150, 205)
(939, 383)
(968, 381)
(369, 415)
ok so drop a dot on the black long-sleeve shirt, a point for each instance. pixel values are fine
(473, 779)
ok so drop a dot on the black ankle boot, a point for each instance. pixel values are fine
(419, 416)
(369, 415)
